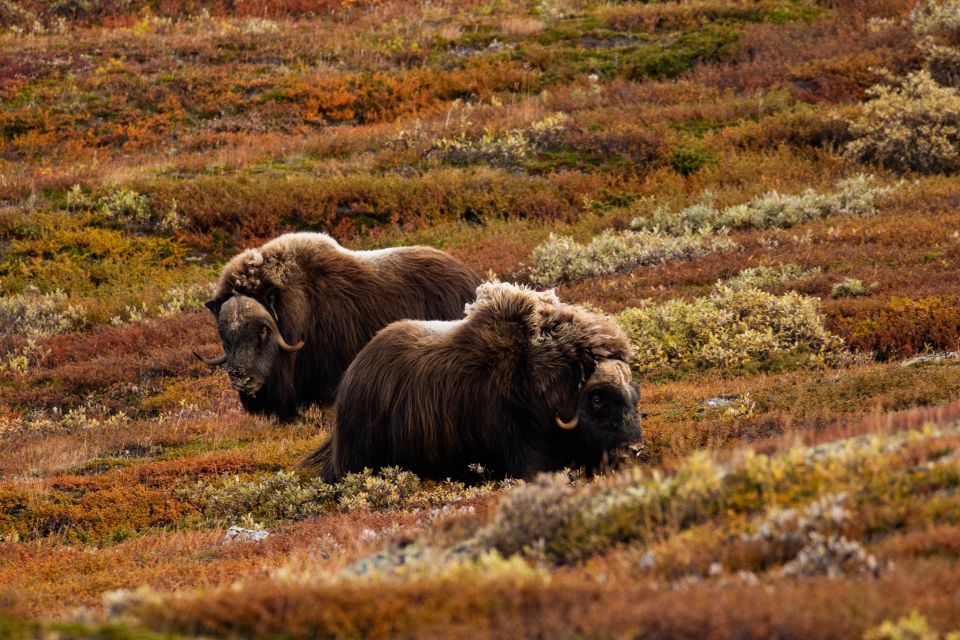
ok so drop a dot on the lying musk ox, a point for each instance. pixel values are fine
(522, 384)
(294, 313)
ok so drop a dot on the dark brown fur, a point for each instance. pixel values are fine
(334, 300)
(435, 397)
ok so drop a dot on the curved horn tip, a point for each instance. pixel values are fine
(212, 362)
(290, 348)
(567, 426)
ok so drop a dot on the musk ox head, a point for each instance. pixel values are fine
(605, 413)
(252, 342)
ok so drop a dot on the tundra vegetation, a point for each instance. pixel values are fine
(763, 195)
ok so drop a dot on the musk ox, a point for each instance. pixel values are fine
(293, 313)
(522, 384)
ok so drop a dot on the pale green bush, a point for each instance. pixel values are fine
(285, 495)
(530, 514)
(501, 148)
(392, 488)
(931, 16)
(188, 298)
(728, 328)
(562, 258)
(280, 496)
(767, 277)
(33, 314)
(914, 126)
(773, 210)
(850, 288)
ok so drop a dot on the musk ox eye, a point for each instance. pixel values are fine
(595, 402)
(264, 333)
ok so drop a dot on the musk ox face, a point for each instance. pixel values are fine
(252, 343)
(606, 415)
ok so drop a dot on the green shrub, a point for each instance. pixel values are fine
(853, 196)
(769, 277)
(798, 500)
(33, 314)
(186, 298)
(914, 126)
(392, 488)
(562, 258)
(500, 149)
(850, 288)
(285, 495)
(530, 514)
(728, 328)
(689, 160)
(280, 496)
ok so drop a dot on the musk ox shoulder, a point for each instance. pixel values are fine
(522, 384)
(293, 313)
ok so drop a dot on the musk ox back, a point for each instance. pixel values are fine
(293, 313)
(523, 384)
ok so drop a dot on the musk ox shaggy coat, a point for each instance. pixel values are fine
(293, 313)
(522, 384)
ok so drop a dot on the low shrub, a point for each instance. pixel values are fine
(285, 495)
(769, 277)
(31, 314)
(853, 196)
(689, 160)
(912, 126)
(501, 149)
(902, 326)
(729, 328)
(562, 258)
(933, 16)
(851, 288)
(647, 506)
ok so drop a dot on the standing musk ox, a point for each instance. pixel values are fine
(294, 313)
(522, 384)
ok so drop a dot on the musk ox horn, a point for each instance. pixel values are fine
(283, 344)
(568, 425)
(213, 362)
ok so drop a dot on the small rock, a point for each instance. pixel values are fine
(719, 401)
(938, 356)
(239, 534)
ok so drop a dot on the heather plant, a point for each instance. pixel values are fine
(32, 314)
(912, 126)
(562, 258)
(769, 277)
(855, 196)
(729, 328)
